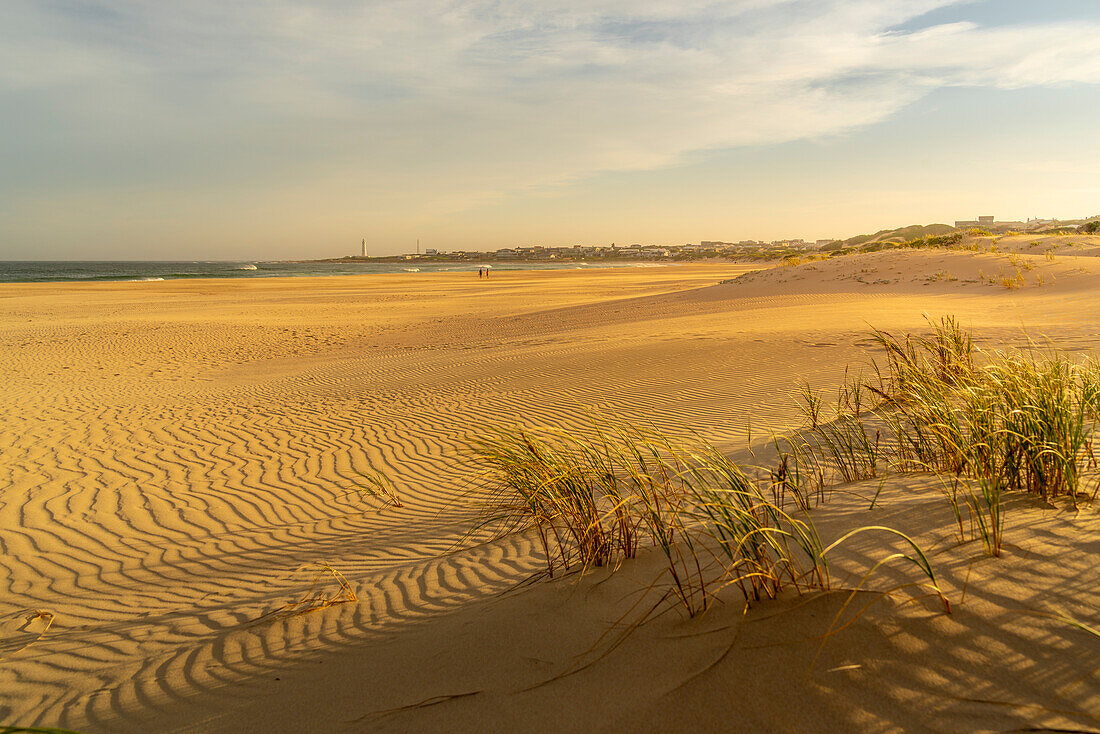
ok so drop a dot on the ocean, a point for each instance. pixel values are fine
(71, 271)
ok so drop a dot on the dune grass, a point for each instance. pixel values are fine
(985, 423)
(810, 403)
(595, 498)
(799, 472)
(849, 448)
(376, 483)
(1014, 283)
(1016, 422)
(555, 484)
(318, 596)
(1025, 420)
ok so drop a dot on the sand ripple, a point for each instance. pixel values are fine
(177, 463)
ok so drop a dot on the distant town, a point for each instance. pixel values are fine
(687, 251)
(715, 249)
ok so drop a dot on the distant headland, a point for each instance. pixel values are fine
(718, 251)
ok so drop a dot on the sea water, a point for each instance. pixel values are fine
(58, 271)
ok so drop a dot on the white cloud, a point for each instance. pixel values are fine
(440, 103)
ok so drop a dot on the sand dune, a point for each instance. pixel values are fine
(498, 665)
(928, 271)
(180, 459)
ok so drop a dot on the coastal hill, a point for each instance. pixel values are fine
(918, 231)
(901, 234)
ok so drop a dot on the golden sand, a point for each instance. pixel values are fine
(180, 461)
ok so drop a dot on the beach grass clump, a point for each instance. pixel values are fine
(376, 483)
(1046, 422)
(1013, 283)
(1028, 419)
(761, 547)
(1021, 422)
(800, 472)
(918, 369)
(757, 544)
(594, 498)
(561, 485)
(945, 356)
(848, 448)
(964, 446)
(1016, 422)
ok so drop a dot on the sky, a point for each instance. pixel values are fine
(267, 129)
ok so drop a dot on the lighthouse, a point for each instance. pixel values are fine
(364, 248)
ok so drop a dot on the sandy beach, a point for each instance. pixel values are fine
(181, 463)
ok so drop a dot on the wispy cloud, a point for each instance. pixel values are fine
(435, 104)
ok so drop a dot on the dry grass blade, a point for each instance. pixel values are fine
(377, 483)
(1059, 616)
(920, 560)
(35, 624)
(316, 597)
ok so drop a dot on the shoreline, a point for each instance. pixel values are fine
(412, 278)
(270, 270)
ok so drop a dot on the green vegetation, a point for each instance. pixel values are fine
(950, 240)
(595, 499)
(896, 236)
(941, 241)
(985, 424)
(1017, 422)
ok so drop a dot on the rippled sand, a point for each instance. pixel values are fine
(180, 457)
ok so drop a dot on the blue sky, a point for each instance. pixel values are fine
(288, 129)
